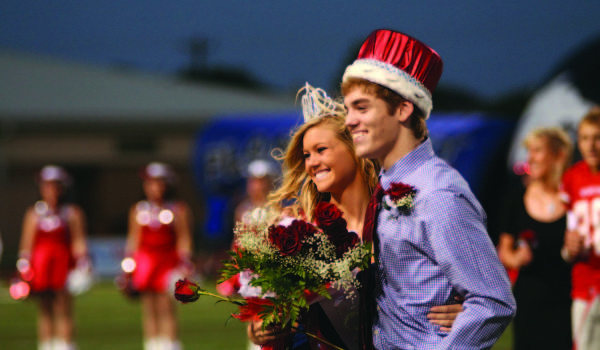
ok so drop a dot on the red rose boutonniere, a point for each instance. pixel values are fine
(399, 196)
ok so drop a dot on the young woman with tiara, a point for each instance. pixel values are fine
(320, 165)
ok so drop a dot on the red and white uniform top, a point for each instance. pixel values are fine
(52, 225)
(157, 229)
(580, 190)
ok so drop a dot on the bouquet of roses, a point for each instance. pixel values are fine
(291, 263)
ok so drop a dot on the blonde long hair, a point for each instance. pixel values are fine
(296, 185)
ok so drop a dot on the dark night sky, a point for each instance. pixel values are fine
(489, 47)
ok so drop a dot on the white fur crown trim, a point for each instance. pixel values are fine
(393, 78)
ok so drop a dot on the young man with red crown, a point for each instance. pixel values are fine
(580, 189)
(430, 238)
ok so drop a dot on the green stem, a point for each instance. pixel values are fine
(202, 292)
(317, 338)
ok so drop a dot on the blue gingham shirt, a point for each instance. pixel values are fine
(429, 255)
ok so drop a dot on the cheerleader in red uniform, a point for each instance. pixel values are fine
(52, 244)
(160, 243)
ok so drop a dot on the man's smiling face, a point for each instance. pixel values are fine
(374, 130)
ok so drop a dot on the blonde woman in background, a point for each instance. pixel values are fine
(531, 238)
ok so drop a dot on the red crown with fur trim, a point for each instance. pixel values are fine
(400, 63)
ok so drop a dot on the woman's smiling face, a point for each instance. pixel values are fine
(328, 162)
(540, 158)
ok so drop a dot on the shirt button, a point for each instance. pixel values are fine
(378, 308)
(376, 332)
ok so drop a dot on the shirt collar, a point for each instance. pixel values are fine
(405, 166)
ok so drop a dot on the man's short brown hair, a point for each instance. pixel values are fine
(592, 117)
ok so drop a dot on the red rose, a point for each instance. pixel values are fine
(274, 232)
(186, 291)
(398, 190)
(303, 229)
(345, 242)
(289, 239)
(329, 217)
(339, 234)
(287, 244)
(251, 311)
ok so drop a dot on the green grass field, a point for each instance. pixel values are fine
(105, 319)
